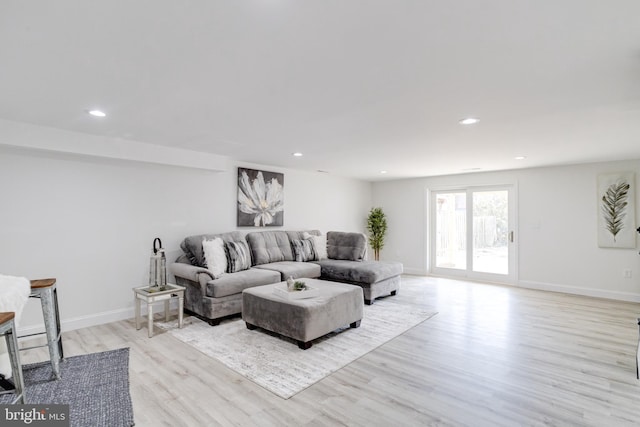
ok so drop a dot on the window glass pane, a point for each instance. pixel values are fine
(490, 232)
(451, 230)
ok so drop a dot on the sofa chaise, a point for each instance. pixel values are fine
(346, 263)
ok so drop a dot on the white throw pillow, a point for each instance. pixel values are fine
(319, 245)
(215, 256)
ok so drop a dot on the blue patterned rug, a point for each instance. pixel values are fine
(95, 386)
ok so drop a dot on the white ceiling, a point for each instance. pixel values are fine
(358, 86)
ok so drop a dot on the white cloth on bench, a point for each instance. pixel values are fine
(14, 293)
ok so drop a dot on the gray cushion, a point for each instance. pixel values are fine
(347, 246)
(293, 269)
(231, 284)
(192, 245)
(269, 246)
(359, 272)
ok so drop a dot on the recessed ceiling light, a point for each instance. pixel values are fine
(296, 154)
(383, 172)
(469, 121)
(97, 113)
(520, 157)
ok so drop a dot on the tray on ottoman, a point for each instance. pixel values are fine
(281, 290)
(303, 320)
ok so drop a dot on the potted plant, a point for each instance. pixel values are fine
(377, 227)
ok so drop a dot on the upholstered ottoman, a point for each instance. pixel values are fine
(303, 320)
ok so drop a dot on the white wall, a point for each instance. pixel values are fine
(90, 222)
(557, 221)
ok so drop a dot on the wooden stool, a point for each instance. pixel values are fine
(46, 290)
(8, 329)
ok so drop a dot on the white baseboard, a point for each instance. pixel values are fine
(574, 290)
(96, 319)
(551, 287)
(415, 271)
(128, 312)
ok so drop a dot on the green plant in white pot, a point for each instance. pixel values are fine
(377, 227)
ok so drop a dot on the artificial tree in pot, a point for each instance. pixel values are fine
(377, 227)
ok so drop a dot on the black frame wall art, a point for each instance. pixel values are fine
(260, 198)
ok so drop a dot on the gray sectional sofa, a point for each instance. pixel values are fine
(273, 261)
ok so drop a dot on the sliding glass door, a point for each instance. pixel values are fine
(472, 233)
(451, 230)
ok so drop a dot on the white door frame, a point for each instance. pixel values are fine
(468, 273)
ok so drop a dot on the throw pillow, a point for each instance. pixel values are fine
(215, 256)
(303, 250)
(319, 245)
(238, 256)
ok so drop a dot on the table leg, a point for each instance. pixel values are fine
(14, 357)
(48, 307)
(150, 319)
(180, 309)
(58, 329)
(638, 356)
(136, 305)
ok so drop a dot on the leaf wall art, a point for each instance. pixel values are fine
(616, 210)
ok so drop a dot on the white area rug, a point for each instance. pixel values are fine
(277, 364)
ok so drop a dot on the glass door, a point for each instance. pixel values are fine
(451, 230)
(491, 231)
(472, 231)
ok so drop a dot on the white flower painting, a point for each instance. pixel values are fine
(260, 198)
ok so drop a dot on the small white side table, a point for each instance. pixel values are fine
(151, 296)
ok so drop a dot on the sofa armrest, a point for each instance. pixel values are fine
(189, 272)
(194, 279)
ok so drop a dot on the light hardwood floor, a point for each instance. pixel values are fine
(493, 356)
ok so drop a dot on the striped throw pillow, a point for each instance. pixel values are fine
(303, 250)
(238, 256)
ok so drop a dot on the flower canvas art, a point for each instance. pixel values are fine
(260, 198)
